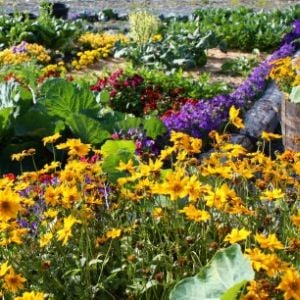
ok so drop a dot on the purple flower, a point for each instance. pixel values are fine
(200, 118)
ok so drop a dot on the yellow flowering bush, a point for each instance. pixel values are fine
(286, 73)
(24, 52)
(69, 231)
(98, 45)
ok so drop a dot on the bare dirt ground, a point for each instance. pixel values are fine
(215, 59)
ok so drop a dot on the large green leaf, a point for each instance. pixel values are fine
(87, 129)
(227, 268)
(62, 98)
(113, 153)
(34, 123)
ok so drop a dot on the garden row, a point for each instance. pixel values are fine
(117, 197)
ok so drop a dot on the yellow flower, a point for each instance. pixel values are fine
(272, 194)
(51, 139)
(76, 147)
(268, 136)
(31, 296)
(237, 235)
(270, 242)
(9, 205)
(4, 268)
(45, 239)
(234, 118)
(174, 185)
(157, 212)
(296, 219)
(66, 232)
(13, 282)
(129, 166)
(113, 233)
(290, 285)
(194, 214)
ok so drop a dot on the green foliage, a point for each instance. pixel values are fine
(245, 28)
(88, 129)
(228, 269)
(295, 94)
(113, 153)
(181, 49)
(240, 66)
(52, 33)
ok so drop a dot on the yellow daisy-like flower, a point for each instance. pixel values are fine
(272, 194)
(76, 147)
(9, 205)
(268, 136)
(4, 268)
(113, 233)
(237, 235)
(13, 282)
(51, 139)
(31, 296)
(290, 285)
(234, 117)
(66, 232)
(268, 242)
(45, 239)
(194, 214)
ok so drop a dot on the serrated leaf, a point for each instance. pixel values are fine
(87, 129)
(227, 268)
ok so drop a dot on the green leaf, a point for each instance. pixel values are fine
(62, 98)
(87, 129)
(113, 153)
(34, 123)
(103, 97)
(154, 127)
(227, 268)
(295, 94)
(5, 120)
(233, 292)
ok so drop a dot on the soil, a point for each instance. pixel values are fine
(215, 59)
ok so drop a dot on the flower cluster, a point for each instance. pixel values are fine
(24, 52)
(198, 119)
(175, 201)
(97, 46)
(285, 73)
(135, 95)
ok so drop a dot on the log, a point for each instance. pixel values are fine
(265, 113)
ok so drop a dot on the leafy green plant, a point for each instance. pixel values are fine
(244, 28)
(222, 278)
(182, 49)
(240, 66)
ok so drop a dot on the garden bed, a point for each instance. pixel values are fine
(140, 165)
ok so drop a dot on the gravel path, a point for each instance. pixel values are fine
(180, 7)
